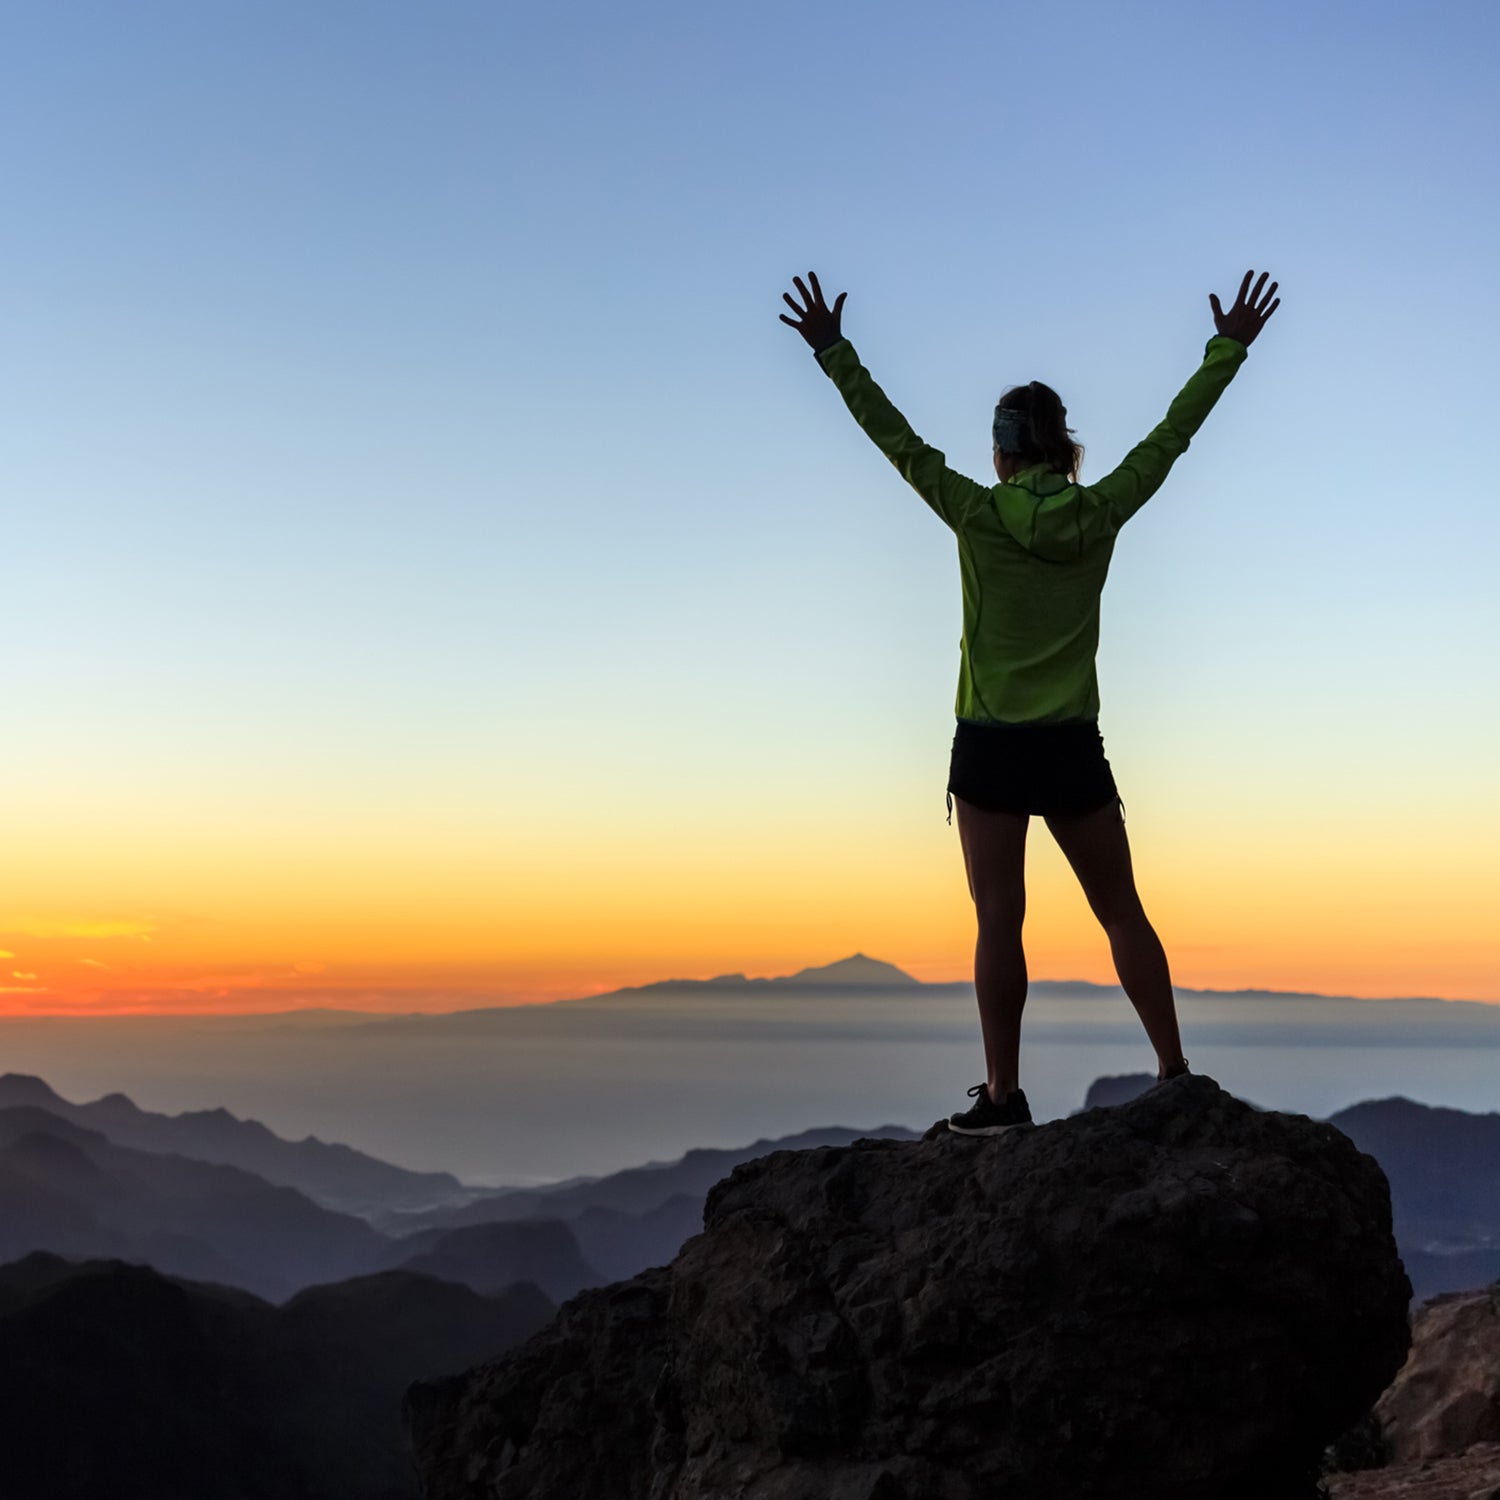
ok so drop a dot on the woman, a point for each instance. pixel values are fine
(1034, 551)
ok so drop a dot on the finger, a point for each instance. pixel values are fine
(1270, 292)
(1213, 302)
(801, 286)
(787, 298)
(1244, 287)
(1272, 308)
(790, 322)
(838, 305)
(812, 276)
(1255, 295)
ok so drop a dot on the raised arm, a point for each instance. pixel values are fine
(1138, 478)
(923, 467)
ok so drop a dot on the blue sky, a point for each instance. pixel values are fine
(396, 402)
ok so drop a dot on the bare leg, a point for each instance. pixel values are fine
(1099, 852)
(995, 857)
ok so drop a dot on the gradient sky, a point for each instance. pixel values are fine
(432, 571)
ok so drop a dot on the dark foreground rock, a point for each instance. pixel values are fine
(118, 1383)
(1181, 1298)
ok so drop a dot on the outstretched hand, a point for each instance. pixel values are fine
(816, 322)
(1246, 318)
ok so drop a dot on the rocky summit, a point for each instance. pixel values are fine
(1182, 1297)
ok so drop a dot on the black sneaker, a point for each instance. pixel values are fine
(1180, 1069)
(988, 1118)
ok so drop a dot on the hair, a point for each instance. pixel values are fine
(1049, 439)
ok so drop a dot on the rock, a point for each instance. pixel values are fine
(1178, 1298)
(1361, 1447)
(1474, 1475)
(577, 1403)
(1447, 1395)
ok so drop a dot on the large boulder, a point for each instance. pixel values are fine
(1181, 1298)
(1447, 1396)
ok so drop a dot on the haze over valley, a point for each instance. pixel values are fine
(539, 1093)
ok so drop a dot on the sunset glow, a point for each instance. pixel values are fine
(434, 577)
(420, 925)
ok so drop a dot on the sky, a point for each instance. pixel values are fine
(434, 576)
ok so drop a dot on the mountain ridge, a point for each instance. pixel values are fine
(72, 1187)
(332, 1175)
(71, 1190)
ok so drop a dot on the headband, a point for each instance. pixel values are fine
(1010, 429)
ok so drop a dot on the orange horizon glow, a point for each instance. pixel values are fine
(250, 989)
(502, 907)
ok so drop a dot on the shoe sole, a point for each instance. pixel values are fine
(989, 1129)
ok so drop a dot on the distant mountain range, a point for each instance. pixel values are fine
(491, 1256)
(79, 1191)
(74, 1190)
(861, 975)
(637, 1189)
(336, 1176)
(71, 1190)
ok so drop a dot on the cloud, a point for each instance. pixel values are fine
(73, 927)
(6, 953)
(17, 974)
(94, 963)
(216, 984)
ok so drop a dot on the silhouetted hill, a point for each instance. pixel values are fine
(69, 1190)
(335, 1176)
(118, 1381)
(489, 1257)
(1444, 1171)
(621, 1244)
(1443, 1164)
(857, 973)
(1116, 1089)
(638, 1190)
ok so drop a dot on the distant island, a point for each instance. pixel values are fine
(859, 974)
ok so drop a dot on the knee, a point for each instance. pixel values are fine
(1001, 911)
(1124, 918)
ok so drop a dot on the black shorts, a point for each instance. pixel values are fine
(1052, 770)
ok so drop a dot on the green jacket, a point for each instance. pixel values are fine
(1033, 552)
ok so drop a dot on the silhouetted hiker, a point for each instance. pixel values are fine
(1033, 553)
